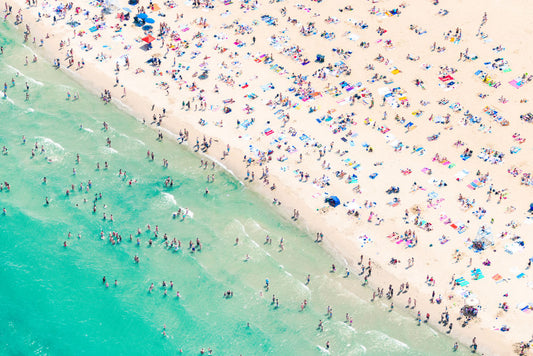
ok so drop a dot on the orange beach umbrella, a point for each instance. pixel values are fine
(149, 39)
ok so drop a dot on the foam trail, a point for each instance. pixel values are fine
(9, 100)
(35, 81)
(49, 141)
(243, 229)
(109, 149)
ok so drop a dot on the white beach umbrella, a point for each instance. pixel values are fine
(471, 301)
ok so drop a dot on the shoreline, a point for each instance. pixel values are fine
(337, 241)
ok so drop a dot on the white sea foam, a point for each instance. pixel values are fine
(189, 213)
(21, 74)
(109, 149)
(243, 229)
(389, 339)
(127, 108)
(323, 349)
(48, 141)
(169, 198)
(303, 286)
(257, 225)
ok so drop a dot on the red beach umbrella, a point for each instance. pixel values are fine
(149, 39)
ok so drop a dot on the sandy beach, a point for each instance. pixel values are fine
(398, 131)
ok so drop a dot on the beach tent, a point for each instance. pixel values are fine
(149, 39)
(483, 239)
(530, 208)
(333, 201)
(319, 58)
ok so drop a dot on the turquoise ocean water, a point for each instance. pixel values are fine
(52, 299)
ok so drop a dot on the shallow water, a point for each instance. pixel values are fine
(53, 299)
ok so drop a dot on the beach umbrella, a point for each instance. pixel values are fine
(149, 39)
(126, 9)
(142, 16)
(149, 20)
(147, 27)
(471, 301)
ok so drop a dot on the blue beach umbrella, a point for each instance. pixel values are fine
(142, 16)
(149, 20)
(333, 201)
(147, 27)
